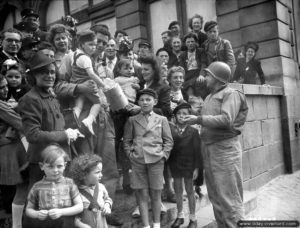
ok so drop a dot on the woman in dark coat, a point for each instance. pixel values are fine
(248, 70)
(41, 117)
(152, 79)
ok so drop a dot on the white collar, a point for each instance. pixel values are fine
(9, 55)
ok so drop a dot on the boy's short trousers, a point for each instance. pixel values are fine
(146, 176)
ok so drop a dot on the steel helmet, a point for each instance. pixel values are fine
(220, 71)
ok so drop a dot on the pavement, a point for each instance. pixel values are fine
(279, 199)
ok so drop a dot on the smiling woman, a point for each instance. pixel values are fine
(42, 120)
(60, 38)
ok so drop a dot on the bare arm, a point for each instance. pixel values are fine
(32, 213)
(94, 77)
(76, 209)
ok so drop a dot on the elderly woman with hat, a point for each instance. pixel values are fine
(60, 38)
(248, 70)
(42, 120)
(215, 48)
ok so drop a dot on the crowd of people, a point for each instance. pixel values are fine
(77, 107)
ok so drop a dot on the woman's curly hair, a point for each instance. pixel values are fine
(82, 165)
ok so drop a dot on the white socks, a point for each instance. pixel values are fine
(180, 214)
(156, 225)
(192, 217)
(17, 213)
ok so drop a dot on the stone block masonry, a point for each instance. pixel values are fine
(262, 138)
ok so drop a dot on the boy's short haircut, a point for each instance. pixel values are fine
(52, 152)
(149, 92)
(86, 36)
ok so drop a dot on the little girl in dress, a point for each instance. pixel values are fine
(87, 172)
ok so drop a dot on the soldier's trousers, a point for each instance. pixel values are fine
(223, 175)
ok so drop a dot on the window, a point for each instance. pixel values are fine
(9, 22)
(161, 14)
(206, 8)
(111, 23)
(95, 2)
(55, 11)
(77, 5)
(83, 26)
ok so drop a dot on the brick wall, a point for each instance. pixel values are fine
(262, 136)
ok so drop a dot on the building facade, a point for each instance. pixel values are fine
(271, 138)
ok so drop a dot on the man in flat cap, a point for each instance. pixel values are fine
(174, 27)
(144, 49)
(215, 48)
(29, 48)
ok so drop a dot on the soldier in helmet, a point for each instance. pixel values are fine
(222, 118)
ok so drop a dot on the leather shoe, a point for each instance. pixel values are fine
(114, 220)
(192, 224)
(178, 222)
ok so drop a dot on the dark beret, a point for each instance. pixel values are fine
(150, 92)
(145, 43)
(209, 25)
(30, 41)
(172, 24)
(183, 105)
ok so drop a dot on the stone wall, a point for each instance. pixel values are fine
(270, 23)
(262, 139)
